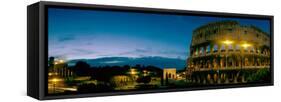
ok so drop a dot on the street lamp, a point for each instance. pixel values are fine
(54, 80)
(133, 71)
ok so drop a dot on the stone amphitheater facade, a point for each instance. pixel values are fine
(220, 51)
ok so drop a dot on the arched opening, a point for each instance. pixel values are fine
(246, 61)
(215, 48)
(222, 49)
(237, 47)
(208, 49)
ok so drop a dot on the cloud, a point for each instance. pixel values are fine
(144, 52)
(110, 62)
(63, 39)
(84, 51)
(173, 52)
(136, 51)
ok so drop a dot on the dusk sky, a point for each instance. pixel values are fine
(89, 34)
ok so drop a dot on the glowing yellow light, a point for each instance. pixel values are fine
(227, 42)
(50, 74)
(56, 63)
(55, 80)
(245, 45)
(61, 61)
(133, 71)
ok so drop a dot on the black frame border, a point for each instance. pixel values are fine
(43, 45)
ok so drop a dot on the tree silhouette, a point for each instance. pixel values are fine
(145, 79)
(82, 68)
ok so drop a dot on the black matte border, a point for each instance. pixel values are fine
(44, 32)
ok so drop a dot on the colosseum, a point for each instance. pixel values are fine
(227, 52)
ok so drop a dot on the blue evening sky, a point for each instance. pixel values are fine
(87, 34)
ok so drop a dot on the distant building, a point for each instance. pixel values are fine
(57, 73)
(134, 73)
(121, 80)
(59, 67)
(169, 73)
